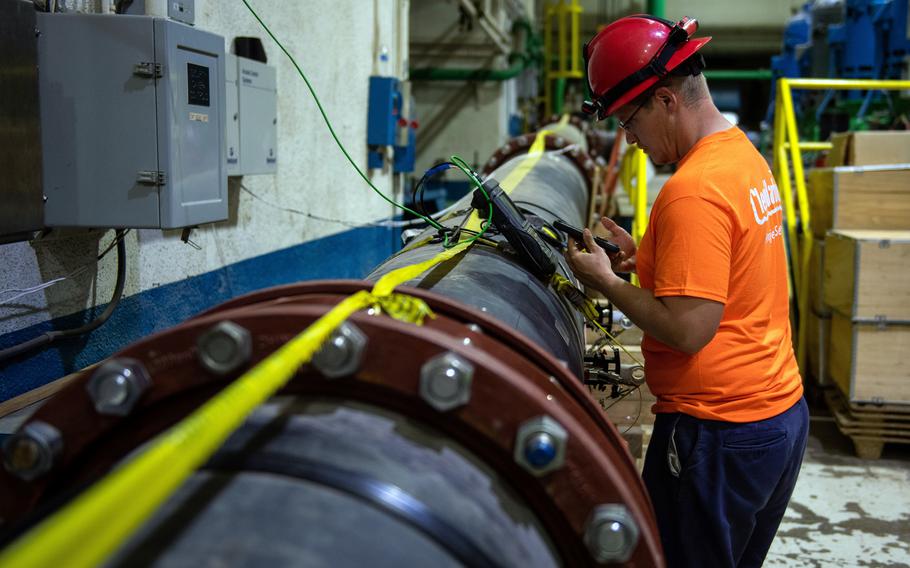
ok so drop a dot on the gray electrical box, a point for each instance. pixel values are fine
(253, 112)
(233, 116)
(258, 103)
(132, 122)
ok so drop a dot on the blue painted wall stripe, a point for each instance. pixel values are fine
(351, 254)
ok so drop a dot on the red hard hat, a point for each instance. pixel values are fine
(633, 53)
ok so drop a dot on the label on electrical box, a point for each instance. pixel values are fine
(199, 117)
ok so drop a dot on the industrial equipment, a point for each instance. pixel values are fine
(846, 39)
(128, 127)
(252, 117)
(468, 440)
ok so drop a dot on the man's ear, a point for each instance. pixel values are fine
(666, 98)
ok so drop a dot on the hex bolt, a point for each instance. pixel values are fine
(342, 353)
(445, 381)
(611, 533)
(224, 348)
(540, 445)
(117, 386)
(31, 452)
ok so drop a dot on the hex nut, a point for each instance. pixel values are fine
(632, 374)
(32, 451)
(531, 431)
(224, 348)
(342, 352)
(611, 533)
(117, 385)
(445, 381)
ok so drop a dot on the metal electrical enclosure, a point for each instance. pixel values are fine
(132, 122)
(232, 109)
(258, 104)
(21, 210)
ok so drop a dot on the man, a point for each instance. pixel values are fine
(731, 421)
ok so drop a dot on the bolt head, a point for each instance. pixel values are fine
(611, 533)
(117, 385)
(342, 353)
(540, 445)
(224, 348)
(31, 452)
(445, 381)
(540, 450)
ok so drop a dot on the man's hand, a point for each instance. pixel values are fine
(593, 268)
(623, 261)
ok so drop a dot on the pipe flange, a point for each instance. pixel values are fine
(521, 145)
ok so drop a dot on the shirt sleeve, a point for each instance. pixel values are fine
(693, 249)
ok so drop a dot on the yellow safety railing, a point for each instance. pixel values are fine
(567, 55)
(633, 174)
(786, 140)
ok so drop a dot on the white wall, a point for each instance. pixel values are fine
(334, 44)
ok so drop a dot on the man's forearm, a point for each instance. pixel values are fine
(645, 311)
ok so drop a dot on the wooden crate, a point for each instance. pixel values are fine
(859, 197)
(869, 147)
(867, 274)
(818, 340)
(817, 278)
(870, 428)
(870, 362)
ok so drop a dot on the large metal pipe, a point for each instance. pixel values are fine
(469, 440)
(493, 280)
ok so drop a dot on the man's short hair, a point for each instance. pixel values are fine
(691, 88)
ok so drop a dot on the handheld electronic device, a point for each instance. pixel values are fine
(576, 234)
(515, 227)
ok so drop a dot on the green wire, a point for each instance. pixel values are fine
(429, 220)
(463, 166)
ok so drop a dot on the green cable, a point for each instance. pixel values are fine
(429, 220)
(463, 166)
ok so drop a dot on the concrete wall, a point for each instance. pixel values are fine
(336, 44)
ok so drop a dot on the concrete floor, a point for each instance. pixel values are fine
(846, 511)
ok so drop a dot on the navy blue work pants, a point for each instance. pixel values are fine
(720, 489)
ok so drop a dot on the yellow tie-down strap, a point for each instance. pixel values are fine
(93, 526)
(538, 149)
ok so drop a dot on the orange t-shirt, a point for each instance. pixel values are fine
(716, 232)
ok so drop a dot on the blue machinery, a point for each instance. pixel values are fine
(852, 39)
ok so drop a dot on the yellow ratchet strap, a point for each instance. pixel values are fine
(97, 522)
(538, 149)
(587, 308)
